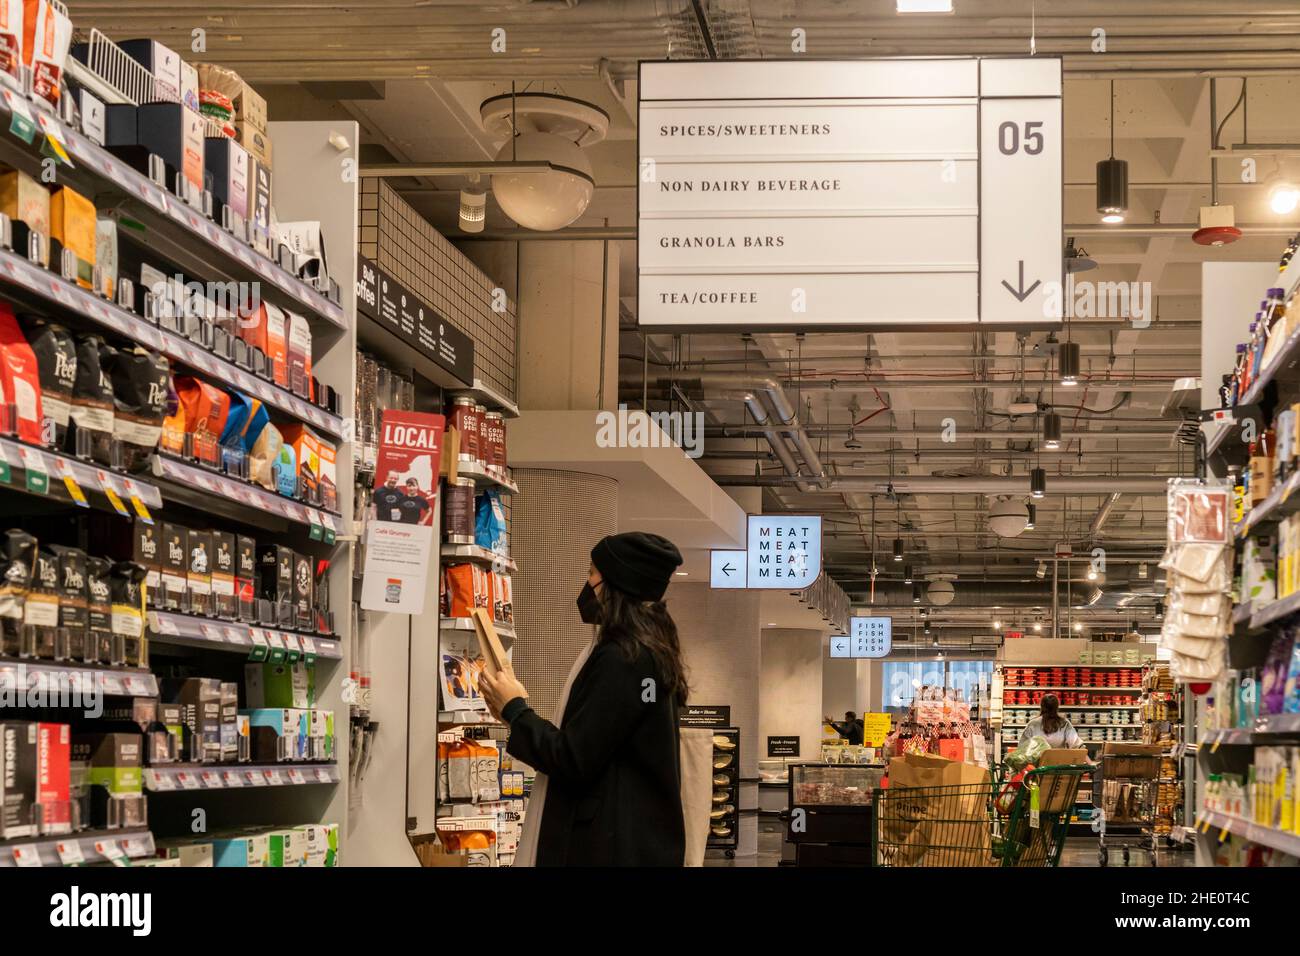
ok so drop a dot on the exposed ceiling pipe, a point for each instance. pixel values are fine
(740, 431)
(1103, 513)
(759, 410)
(867, 385)
(929, 485)
(1177, 229)
(983, 594)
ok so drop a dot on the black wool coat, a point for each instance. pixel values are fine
(613, 795)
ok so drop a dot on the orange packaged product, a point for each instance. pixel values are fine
(307, 452)
(468, 587)
(73, 226)
(267, 329)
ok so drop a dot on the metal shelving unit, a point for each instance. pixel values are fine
(88, 847)
(167, 779)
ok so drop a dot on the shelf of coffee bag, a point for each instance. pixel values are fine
(1281, 501)
(172, 229)
(87, 847)
(479, 555)
(22, 467)
(1266, 614)
(237, 776)
(168, 627)
(1210, 821)
(485, 476)
(181, 480)
(72, 300)
(43, 680)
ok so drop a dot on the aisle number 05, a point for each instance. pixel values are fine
(1010, 140)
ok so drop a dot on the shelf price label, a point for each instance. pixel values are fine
(110, 851)
(254, 778)
(26, 856)
(38, 474)
(64, 468)
(109, 487)
(323, 775)
(211, 780)
(187, 780)
(260, 642)
(295, 776)
(162, 781)
(137, 502)
(69, 853)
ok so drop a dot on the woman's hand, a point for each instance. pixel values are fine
(500, 688)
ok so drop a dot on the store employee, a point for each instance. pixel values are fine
(850, 730)
(608, 788)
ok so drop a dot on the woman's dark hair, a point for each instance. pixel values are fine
(1048, 711)
(634, 624)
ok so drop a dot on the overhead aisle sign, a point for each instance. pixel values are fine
(811, 194)
(783, 551)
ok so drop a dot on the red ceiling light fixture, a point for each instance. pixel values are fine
(1218, 224)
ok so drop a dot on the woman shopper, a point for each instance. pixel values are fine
(1050, 724)
(608, 790)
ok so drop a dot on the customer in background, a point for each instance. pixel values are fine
(608, 788)
(850, 729)
(1050, 724)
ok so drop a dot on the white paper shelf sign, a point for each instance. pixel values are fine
(806, 194)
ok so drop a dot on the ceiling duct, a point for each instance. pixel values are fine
(981, 594)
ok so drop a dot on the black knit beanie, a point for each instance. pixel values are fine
(640, 565)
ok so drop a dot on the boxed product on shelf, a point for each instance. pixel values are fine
(259, 203)
(246, 850)
(280, 684)
(256, 141)
(41, 610)
(72, 227)
(114, 776)
(166, 130)
(307, 448)
(303, 580)
(285, 848)
(200, 700)
(53, 777)
(225, 96)
(101, 640)
(227, 162)
(265, 328)
(27, 204)
(73, 601)
(277, 734)
(246, 577)
(198, 571)
(56, 365)
(173, 567)
(20, 385)
(298, 354)
(230, 739)
(18, 768)
(166, 743)
(275, 564)
(190, 852)
(223, 575)
(161, 61)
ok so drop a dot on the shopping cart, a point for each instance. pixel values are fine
(962, 826)
(1124, 819)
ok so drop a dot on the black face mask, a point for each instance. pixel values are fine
(589, 605)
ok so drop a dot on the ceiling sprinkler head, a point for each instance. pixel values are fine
(851, 443)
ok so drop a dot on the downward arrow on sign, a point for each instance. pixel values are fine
(1022, 293)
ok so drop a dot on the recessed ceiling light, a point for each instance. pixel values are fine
(925, 6)
(682, 574)
(771, 623)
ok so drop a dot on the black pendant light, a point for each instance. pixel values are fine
(907, 574)
(898, 549)
(1037, 483)
(1112, 177)
(1033, 516)
(1052, 430)
(1069, 363)
(916, 594)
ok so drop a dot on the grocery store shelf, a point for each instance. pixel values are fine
(1265, 836)
(88, 846)
(1274, 611)
(94, 481)
(233, 777)
(1279, 503)
(1242, 613)
(466, 624)
(466, 718)
(52, 677)
(488, 396)
(73, 301)
(171, 228)
(166, 627)
(1263, 730)
(1283, 361)
(490, 477)
(1081, 706)
(1093, 688)
(479, 555)
(195, 485)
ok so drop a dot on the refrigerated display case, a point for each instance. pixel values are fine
(829, 820)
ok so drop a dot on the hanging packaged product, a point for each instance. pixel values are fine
(41, 610)
(90, 430)
(56, 366)
(206, 410)
(299, 355)
(47, 34)
(141, 381)
(20, 385)
(490, 522)
(1198, 561)
(11, 42)
(126, 586)
(27, 204)
(72, 228)
(101, 641)
(73, 603)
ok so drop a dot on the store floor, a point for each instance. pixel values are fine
(1079, 851)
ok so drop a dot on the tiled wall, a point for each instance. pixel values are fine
(405, 245)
